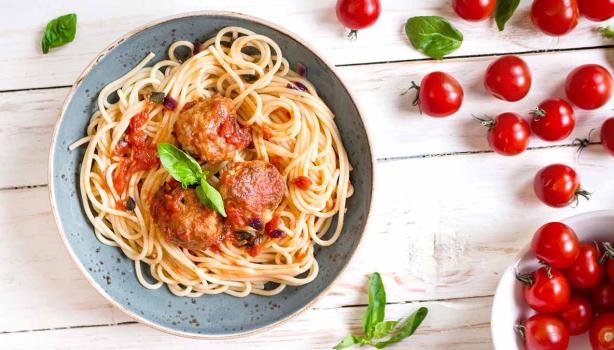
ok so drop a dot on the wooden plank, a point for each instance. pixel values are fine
(24, 66)
(397, 128)
(459, 324)
(442, 227)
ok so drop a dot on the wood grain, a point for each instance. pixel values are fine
(397, 128)
(24, 66)
(459, 324)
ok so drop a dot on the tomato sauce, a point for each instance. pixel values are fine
(136, 154)
(302, 182)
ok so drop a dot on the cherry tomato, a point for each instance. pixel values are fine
(589, 86)
(602, 296)
(545, 292)
(508, 78)
(556, 244)
(609, 269)
(607, 135)
(474, 10)
(558, 185)
(508, 134)
(358, 14)
(553, 120)
(555, 17)
(577, 314)
(597, 10)
(544, 332)
(602, 332)
(440, 95)
(585, 272)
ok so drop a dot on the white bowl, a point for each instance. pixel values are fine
(509, 307)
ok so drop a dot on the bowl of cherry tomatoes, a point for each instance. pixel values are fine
(559, 291)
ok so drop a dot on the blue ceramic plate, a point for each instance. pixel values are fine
(112, 273)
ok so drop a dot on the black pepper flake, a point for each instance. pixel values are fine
(250, 78)
(130, 203)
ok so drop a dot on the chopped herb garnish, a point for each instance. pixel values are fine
(59, 31)
(250, 78)
(130, 203)
(157, 97)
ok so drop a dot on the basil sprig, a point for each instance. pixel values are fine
(59, 31)
(185, 169)
(374, 326)
(504, 11)
(434, 36)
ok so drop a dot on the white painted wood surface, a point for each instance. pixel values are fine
(448, 215)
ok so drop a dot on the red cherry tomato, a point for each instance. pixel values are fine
(474, 10)
(577, 314)
(602, 332)
(508, 78)
(544, 332)
(602, 296)
(558, 185)
(556, 244)
(547, 293)
(589, 86)
(597, 10)
(585, 272)
(555, 17)
(607, 135)
(440, 95)
(553, 120)
(609, 269)
(508, 134)
(358, 14)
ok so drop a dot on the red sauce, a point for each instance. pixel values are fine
(254, 250)
(137, 154)
(121, 205)
(302, 182)
(273, 224)
(234, 216)
(276, 161)
(267, 133)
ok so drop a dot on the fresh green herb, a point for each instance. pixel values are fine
(405, 328)
(180, 165)
(157, 97)
(606, 32)
(374, 325)
(377, 305)
(433, 35)
(209, 196)
(504, 11)
(185, 169)
(59, 31)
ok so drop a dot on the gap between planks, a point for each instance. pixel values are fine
(378, 160)
(423, 59)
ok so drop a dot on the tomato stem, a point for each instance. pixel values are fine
(527, 280)
(538, 113)
(608, 254)
(486, 121)
(520, 330)
(583, 143)
(606, 32)
(353, 35)
(413, 86)
(581, 193)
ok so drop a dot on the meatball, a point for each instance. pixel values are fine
(184, 220)
(251, 190)
(207, 128)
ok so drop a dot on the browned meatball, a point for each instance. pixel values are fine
(251, 190)
(207, 128)
(184, 220)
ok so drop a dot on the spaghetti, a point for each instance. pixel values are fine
(291, 127)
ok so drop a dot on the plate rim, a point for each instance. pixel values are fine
(54, 140)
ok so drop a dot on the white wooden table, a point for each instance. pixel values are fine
(449, 215)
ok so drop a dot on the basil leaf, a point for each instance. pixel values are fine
(59, 31)
(210, 197)
(433, 35)
(157, 97)
(504, 11)
(383, 328)
(180, 165)
(405, 328)
(350, 340)
(377, 305)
